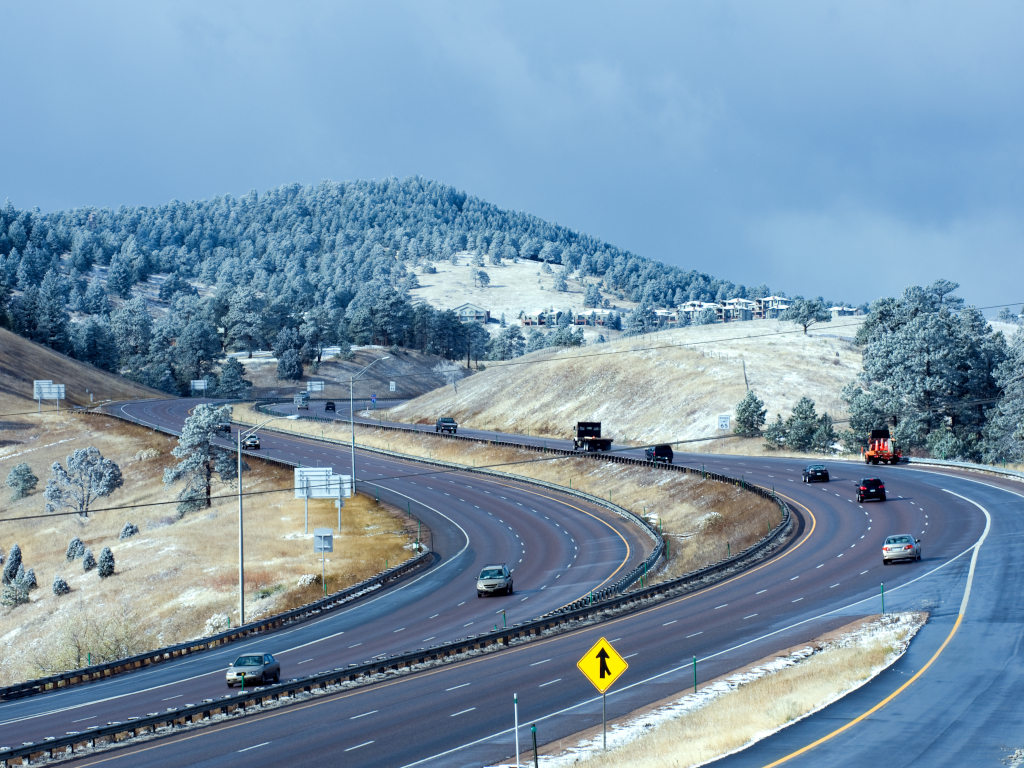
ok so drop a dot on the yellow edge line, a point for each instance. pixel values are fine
(878, 706)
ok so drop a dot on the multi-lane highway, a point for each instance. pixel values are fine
(953, 707)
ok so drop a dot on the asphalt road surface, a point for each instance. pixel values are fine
(951, 700)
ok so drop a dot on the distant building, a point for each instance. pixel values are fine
(471, 313)
(770, 307)
(843, 312)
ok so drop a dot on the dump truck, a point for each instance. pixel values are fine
(587, 436)
(881, 448)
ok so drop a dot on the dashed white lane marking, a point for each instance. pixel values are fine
(359, 746)
(434, 616)
(795, 577)
(371, 712)
(818, 566)
(456, 687)
(750, 616)
(304, 661)
(723, 605)
(833, 586)
(464, 711)
(863, 572)
(400, 629)
(550, 682)
(694, 635)
(254, 746)
(538, 663)
(798, 600)
(760, 591)
(427, 639)
(93, 717)
(665, 624)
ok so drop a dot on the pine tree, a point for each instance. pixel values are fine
(12, 565)
(750, 415)
(129, 530)
(60, 586)
(199, 459)
(233, 383)
(289, 366)
(106, 564)
(21, 481)
(75, 549)
(801, 425)
(775, 434)
(88, 561)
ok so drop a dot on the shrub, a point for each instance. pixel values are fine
(14, 594)
(88, 561)
(106, 565)
(75, 549)
(21, 481)
(129, 530)
(60, 587)
(10, 572)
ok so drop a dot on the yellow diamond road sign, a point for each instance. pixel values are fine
(602, 665)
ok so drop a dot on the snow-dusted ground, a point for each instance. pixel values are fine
(894, 629)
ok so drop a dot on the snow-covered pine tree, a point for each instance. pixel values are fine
(106, 564)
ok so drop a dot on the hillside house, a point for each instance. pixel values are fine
(843, 312)
(471, 313)
(770, 307)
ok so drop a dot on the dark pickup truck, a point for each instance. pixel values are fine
(446, 424)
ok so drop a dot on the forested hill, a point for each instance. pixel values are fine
(157, 294)
(305, 243)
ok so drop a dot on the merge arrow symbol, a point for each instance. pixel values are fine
(602, 656)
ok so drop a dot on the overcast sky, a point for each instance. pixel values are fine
(843, 149)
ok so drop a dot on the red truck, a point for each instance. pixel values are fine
(881, 448)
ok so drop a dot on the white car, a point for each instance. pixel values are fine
(252, 442)
(901, 546)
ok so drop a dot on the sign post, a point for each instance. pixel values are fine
(323, 542)
(602, 665)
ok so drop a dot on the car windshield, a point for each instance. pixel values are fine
(248, 661)
(492, 573)
(898, 540)
(816, 467)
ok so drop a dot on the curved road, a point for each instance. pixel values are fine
(953, 708)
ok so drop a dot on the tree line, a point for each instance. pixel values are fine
(935, 373)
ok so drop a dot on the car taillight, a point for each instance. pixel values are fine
(909, 546)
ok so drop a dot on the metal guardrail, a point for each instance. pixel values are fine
(968, 465)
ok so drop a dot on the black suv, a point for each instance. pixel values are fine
(659, 453)
(329, 406)
(870, 488)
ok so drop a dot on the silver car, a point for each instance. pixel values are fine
(902, 546)
(494, 579)
(254, 668)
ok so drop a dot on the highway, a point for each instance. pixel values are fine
(954, 701)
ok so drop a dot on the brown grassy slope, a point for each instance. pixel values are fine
(22, 362)
(666, 386)
(413, 373)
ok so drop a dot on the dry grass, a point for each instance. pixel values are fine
(736, 711)
(703, 520)
(689, 377)
(178, 578)
(22, 361)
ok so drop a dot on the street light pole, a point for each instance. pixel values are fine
(352, 413)
(241, 540)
